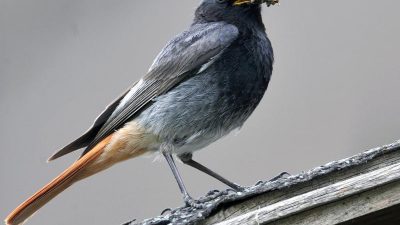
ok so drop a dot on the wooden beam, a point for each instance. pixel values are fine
(348, 191)
(328, 194)
(371, 207)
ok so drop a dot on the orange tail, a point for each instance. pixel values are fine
(74, 173)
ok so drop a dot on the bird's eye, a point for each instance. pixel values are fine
(221, 1)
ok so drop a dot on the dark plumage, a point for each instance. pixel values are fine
(205, 83)
(231, 41)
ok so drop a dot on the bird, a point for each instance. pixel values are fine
(204, 83)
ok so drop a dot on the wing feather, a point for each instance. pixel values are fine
(180, 59)
(86, 138)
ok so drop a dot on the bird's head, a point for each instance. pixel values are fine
(237, 12)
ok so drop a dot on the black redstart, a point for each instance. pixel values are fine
(205, 83)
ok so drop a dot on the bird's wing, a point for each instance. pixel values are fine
(181, 58)
(86, 138)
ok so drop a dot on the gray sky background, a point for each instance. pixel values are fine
(334, 93)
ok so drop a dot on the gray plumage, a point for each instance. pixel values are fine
(204, 83)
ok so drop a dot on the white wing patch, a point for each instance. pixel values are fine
(210, 62)
(128, 96)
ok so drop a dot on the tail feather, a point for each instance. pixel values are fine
(74, 173)
(128, 142)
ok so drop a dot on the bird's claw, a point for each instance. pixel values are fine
(260, 182)
(166, 211)
(212, 192)
(280, 176)
(190, 202)
(236, 188)
(211, 195)
(205, 201)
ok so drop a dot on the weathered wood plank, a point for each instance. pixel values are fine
(318, 197)
(338, 191)
(387, 216)
(351, 209)
(347, 169)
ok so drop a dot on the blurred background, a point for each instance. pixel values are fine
(334, 93)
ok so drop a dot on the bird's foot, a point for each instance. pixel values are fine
(190, 202)
(211, 195)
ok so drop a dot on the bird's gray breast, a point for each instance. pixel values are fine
(213, 102)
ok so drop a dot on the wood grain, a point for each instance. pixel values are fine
(322, 196)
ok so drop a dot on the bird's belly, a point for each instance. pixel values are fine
(198, 141)
(187, 130)
(195, 113)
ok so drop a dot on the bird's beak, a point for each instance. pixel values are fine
(243, 2)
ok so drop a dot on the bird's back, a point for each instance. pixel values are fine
(216, 100)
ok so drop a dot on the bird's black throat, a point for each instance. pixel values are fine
(244, 17)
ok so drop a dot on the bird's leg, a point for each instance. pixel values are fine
(186, 197)
(187, 159)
